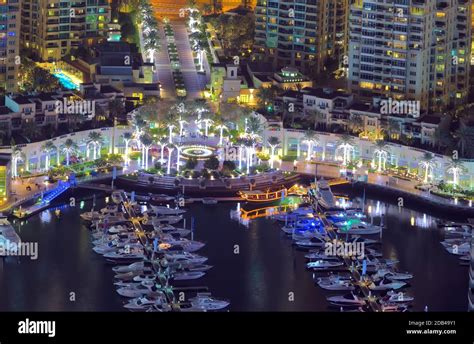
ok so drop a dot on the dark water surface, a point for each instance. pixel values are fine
(256, 268)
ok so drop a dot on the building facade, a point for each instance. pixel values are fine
(9, 44)
(306, 34)
(411, 50)
(52, 28)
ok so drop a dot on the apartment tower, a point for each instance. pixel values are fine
(51, 28)
(411, 50)
(9, 44)
(307, 34)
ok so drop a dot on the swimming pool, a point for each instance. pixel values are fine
(66, 81)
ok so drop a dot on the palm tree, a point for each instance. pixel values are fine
(456, 168)
(221, 126)
(147, 142)
(139, 125)
(30, 130)
(69, 147)
(162, 141)
(17, 155)
(393, 126)
(465, 137)
(346, 143)
(47, 148)
(241, 143)
(181, 122)
(427, 163)
(311, 140)
(254, 126)
(273, 142)
(316, 115)
(266, 96)
(207, 124)
(356, 124)
(381, 153)
(95, 139)
(170, 148)
(127, 137)
(249, 147)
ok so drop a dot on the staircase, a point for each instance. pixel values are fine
(54, 193)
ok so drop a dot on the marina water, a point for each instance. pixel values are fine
(256, 268)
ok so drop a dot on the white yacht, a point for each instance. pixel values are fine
(324, 194)
(138, 291)
(349, 300)
(323, 264)
(393, 296)
(164, 220)
(143, 303)
(206, 302)
(8, 237)
(361, 228)
(185, 258)
(337, 286)
(188, 275)
(91, 216)
(393, 285)
(162, 210)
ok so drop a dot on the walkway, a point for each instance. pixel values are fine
(163, 67)
(186, 59)
(328, 170)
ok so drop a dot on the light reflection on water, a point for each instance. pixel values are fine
(258, 278)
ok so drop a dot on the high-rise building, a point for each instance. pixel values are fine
(305, 34)
(9, 44)
(51, 28)
(411, 50)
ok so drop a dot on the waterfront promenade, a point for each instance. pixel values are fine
(402, 186)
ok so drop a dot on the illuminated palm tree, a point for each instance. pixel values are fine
(170, 148)
(69, 147)
(273, 142)
(428, 164)
(95, 140)
(381, 153)
(127, 137)
(456, 168)
(241, 143)
(47, 148)
(17, 155)
(139, 125)
(170, 126)
(254, 126)
(181, 122)
(249, 147)
(207, 124)
(346, 144)
(178, 157)
(162, 141)
(311, 140)
(221, 127)
(147, 142)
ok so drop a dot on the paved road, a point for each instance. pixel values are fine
(163, 66)
(190, 75)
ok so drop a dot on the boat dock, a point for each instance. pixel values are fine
(362, 284)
